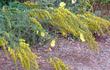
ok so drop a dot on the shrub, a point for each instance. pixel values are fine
(81, 26)
(16, 25)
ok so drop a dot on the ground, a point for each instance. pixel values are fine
(74, 53)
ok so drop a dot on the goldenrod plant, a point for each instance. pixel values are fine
(17, 25)
(81, 26)
(24, 54)
(68, 22)
(95, 24)
(58, 64)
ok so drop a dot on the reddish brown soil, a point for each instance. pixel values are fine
(75, 54)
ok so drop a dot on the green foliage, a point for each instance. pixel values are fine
(23, 6)
(108, 18)
(81, 6)
(103, 1)
(5, 2)
(46, 3)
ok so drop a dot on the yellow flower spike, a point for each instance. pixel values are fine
(23, 52)
(82, 37)
(12, 53)
(3, 42)
(27, 62)
(20, 58)
(22, 44)
(34, 20)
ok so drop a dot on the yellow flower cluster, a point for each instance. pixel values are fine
(24, 54)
